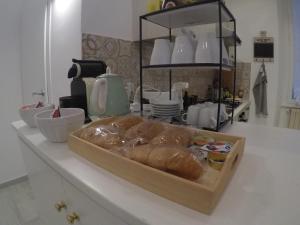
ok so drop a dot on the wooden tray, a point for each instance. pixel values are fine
(201, 195)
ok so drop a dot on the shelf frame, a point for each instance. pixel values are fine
(189, 65)
(221, 6)
(183, 7)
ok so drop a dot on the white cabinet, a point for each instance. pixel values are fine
(50, 188)
(89, 212)
(46, 185)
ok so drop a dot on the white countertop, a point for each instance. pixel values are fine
(264, 190)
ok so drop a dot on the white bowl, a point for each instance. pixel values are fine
(58, 129)
(27, 114)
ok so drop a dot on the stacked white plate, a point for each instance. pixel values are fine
(165, 108)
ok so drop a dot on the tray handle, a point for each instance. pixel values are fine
(234, 157)
(234, 161)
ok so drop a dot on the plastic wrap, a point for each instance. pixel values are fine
(146, 130)
(173, 159)
(39, 105)
(127, 122)
(150, 143)
(201, 140)
(105, 136)
(173, 136)
(127, 148)
(56, 113)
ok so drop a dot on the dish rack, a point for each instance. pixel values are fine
(199, 13)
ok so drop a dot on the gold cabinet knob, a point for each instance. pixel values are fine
(72, 218)
(60, 205)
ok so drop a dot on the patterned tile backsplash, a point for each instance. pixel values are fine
(243, 71)
(123, 58)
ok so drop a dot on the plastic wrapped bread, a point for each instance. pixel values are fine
(127, 122)
(129, 146)
(105, 136)
(173, 159)
(146, 130)
(173, 136)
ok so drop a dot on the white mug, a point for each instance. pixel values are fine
(208, 115)
(223, 113)
(184, 51)
(161, 53)
(192, 115)
(204, 117)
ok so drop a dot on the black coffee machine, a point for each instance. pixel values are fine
(79, 70)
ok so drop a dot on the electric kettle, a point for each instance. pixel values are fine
(109, 97)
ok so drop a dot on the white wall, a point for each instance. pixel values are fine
(150, 30)
(117, 19)
(32, 48)
(110, 18)
(22, 50)
(285, 60)
(252, 17)
(65, 40)
(11, 162)
(296, 26)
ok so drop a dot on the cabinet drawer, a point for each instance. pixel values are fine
(46, 185)
(88, 211)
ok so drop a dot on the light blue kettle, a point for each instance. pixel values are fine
(109, 97)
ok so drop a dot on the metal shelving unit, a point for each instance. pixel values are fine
(198, 13)
(189, 65)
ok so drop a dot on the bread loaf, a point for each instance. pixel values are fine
(147, 130)
(127, 122)
(173, 159)
(173, 136)
(140, 153)
(104, 136)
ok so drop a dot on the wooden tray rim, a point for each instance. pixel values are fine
(238, 141)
